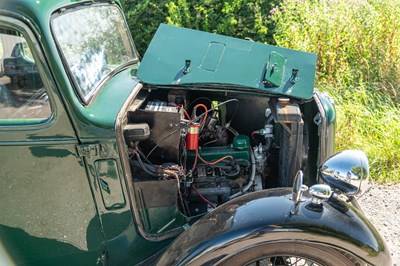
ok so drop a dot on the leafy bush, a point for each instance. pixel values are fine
(143, 17)
(237, 18)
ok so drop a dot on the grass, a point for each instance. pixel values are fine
(358, 48)
(370, 121)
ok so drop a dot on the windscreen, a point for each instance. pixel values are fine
(93, 40)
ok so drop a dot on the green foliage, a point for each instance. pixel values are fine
(356, 41)
(237, 18)
(143, 17)
(358, 47)
(369, 120)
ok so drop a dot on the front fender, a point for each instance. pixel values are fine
(265, 216)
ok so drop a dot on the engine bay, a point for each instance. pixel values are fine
(196, 150)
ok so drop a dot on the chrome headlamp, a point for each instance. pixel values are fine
(346, 171)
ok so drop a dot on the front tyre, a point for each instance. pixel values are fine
(293, 254)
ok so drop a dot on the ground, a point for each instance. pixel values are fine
(381, 205)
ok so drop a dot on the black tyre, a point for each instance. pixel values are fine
(293, 254)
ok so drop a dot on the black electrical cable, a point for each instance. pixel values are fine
(143, 166)
(235, 173)
(161, 141)
(144, 156)
(213, 108)
(243, 160)
(200, 98)
(186, 206)
(183, 157)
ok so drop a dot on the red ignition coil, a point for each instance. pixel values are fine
(192, 138)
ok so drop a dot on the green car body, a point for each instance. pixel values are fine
(67, 195)
(54, 166)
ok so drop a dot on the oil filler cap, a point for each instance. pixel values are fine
(241, 142)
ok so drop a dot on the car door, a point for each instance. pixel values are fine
(47, 212)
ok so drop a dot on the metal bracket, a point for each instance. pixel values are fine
(186, 68)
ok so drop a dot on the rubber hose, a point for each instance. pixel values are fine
(252, 177)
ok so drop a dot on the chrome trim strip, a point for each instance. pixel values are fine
(323, 136)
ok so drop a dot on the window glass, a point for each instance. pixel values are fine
(94, 41)
(22, 95)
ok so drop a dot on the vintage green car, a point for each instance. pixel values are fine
(201, 153)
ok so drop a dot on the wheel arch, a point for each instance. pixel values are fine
(266, 217)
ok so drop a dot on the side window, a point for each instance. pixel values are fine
(23, 98)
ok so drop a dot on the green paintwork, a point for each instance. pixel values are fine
(50, 217)
(163, 219)
(275, 69)
(51, 195)
(118, 225)
(217, 59)
(329, 107)
(61, 227)
(113, 95)
(214, 153)
(110, 184)
(40, 159)
(22, 121)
